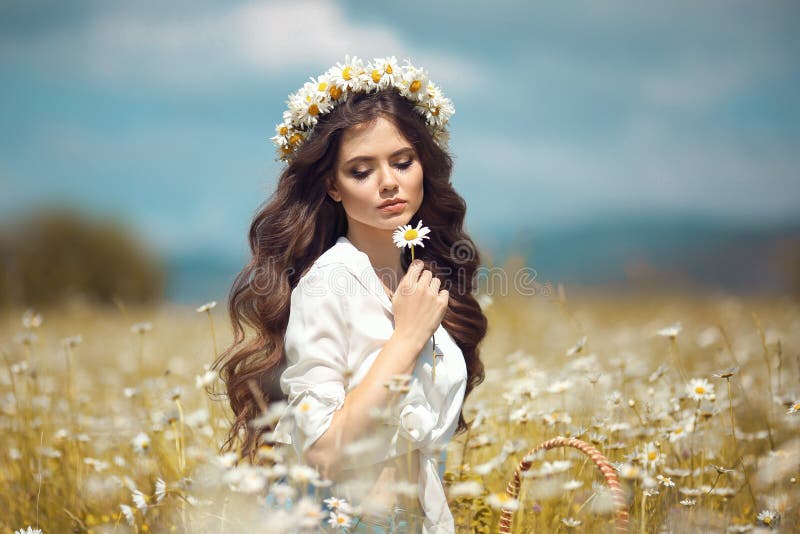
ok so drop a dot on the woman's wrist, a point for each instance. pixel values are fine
(411, 344)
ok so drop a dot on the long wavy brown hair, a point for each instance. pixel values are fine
(300, 221)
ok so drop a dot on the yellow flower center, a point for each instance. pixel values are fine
(415, 86)
(323, 86)
(347, 73)
(700, 390)
(388, 68)
(313, 109)
(295, 138)
(410, 235)
(336, 92)
(652, 455)
(305, 407)
(435, 111)
(284, 130)
(376, 75)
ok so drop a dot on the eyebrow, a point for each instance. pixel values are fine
(370, 158)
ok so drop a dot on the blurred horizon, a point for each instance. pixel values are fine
(613, 145)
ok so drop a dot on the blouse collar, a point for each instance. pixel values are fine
(356, 262)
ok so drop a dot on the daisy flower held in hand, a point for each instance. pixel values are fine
(406, 236)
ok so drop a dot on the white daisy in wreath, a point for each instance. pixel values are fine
(381, 73)
(308, 103)
(406, 236)
(414, 82)
(350, 75)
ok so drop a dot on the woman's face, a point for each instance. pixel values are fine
(375, 164)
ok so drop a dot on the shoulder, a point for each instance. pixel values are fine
(333, 267)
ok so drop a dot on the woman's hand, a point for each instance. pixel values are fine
(419, 306)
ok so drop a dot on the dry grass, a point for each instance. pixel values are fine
(75, 416)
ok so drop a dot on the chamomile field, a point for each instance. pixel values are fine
(108, 426)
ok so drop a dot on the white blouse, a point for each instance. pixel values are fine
(340, 318)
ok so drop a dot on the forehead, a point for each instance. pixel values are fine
(375, 139)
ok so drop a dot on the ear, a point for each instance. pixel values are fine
(333, 192)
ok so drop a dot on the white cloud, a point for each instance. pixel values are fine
(203, 49)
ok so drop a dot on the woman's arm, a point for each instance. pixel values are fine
(353, 422)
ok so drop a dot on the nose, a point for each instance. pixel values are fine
(388, 180)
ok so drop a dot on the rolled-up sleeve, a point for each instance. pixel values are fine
(316, 348)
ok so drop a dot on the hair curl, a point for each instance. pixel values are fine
(300, 221)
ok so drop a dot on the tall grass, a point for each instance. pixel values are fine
(108, 427)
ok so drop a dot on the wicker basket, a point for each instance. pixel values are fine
(602, 463)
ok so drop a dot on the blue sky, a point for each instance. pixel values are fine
(162, 112)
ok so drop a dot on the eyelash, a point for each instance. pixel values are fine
(361, 175)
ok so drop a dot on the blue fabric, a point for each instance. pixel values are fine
(397, 524)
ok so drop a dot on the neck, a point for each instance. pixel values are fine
(382, 252)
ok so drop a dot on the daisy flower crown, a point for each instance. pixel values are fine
(323, 93)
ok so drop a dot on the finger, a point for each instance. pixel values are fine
(435, 283)
(412, 274)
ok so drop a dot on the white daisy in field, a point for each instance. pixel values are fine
(572, 351)
(502, 500)
(794, 408)
(72, 341)
(207, 306)
(570, 522)
(141, 328)
(127, 511)
(665, 481)
(559, 386)
(31, 319)
(339, 519)
(470, 488)
(303, 473)
(141, 442)
(161, 490)
(406, 236)
(670, 331)
(335, 503)
(651, 456)
(308, 513)
(139, 499)
(768, 517)
(306, 408)
(29, 530)
(699, 389)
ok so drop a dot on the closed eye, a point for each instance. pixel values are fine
(403, 165)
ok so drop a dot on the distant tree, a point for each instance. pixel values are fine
(55, 254)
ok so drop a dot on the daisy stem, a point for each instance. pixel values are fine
(691, 438)
(412, 253)
(643, 528)
(213, 334)
(769, 380)
(736, 443)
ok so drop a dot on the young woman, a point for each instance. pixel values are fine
(377, 352)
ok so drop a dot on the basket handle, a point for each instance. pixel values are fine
(602, 463)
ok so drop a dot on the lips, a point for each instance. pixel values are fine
(391, 203)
